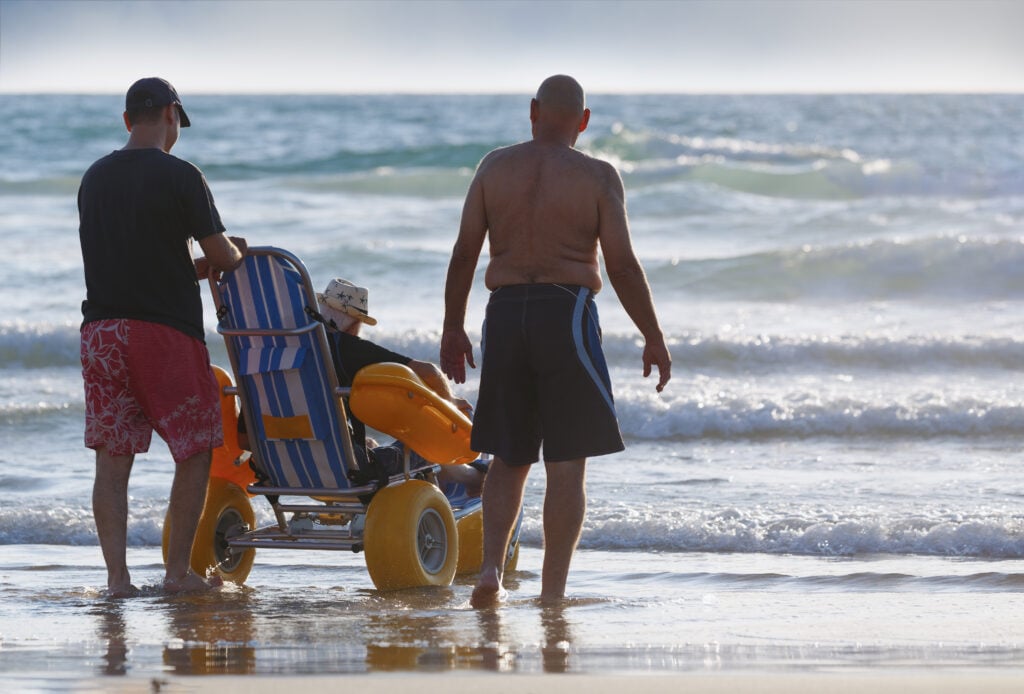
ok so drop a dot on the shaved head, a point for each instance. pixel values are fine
(563, 95)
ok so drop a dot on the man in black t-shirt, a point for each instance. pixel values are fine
(144, 359)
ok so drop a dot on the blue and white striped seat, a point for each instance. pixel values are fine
(289, 391)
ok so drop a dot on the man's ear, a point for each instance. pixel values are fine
(127, 123)
(534, 106)
(585, 119)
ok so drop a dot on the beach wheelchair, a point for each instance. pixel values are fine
(302, 458)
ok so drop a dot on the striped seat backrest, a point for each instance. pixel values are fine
(285, 377)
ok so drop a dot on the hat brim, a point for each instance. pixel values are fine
(357, 314)
(346, 309)
(185, 122)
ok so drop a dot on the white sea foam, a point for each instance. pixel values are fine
(31, 346)
(813, 533)
(738, 417)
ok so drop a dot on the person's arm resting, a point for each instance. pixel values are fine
(456, 348)
(431, 375)
(628, 279)
(221, 253)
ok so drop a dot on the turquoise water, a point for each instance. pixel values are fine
(831, 477)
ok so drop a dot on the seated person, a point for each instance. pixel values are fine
(343, 310)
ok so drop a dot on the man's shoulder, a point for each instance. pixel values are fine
(179, 164)
(600, 166)
(148, 157)
(531, 151)
(500, 154)
(603, 173)
(108, 161)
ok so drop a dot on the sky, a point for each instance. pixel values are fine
(509, 46)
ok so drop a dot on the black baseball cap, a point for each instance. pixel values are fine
(154, 91)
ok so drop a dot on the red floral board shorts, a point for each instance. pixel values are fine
(140, 377)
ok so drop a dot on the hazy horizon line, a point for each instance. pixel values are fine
(591, 92)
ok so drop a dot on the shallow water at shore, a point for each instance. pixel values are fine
(317, 613)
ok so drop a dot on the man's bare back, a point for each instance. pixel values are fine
(545, 209)
(541, 201)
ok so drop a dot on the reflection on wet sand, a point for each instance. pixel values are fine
(433, 641)
(210, 634)
(495, 651)
(245, 631)
(111, 631)
(557, 638)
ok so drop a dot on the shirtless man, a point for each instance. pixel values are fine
(546, 208)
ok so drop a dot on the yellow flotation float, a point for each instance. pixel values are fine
(228, 461)
(390, 398)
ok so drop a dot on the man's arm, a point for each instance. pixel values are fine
(456, 349)
(627, 275)
(431, 375)
(221, 253)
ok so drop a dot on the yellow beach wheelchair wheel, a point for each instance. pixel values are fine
(471, 545)
(410, 538)
(227, 512)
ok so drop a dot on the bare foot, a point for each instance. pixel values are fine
(126, 590)
(191, 583)
(552, 600)
(488, 596)
(489, 591)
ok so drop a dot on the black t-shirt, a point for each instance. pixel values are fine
(138, 211)
(351, 353)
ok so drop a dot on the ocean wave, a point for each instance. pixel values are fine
(28, 345)
(376, 178)
(63, 525)
(64, 186)
(31, 346)
(858, 581)
(630, 529)
(807, 414)
(771, 169)
(760, 354)
(434, 173)
(937, 268)
(646, 160)
(38, 346)
(38, 414)
(758, 531)
(633, 145)
(429, 183)
(718, 415)
(821, 147)
(799, 171)
(434, 156)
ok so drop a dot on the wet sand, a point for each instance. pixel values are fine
(764, 682)
(315, 621)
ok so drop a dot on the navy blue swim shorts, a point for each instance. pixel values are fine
(543, 377)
